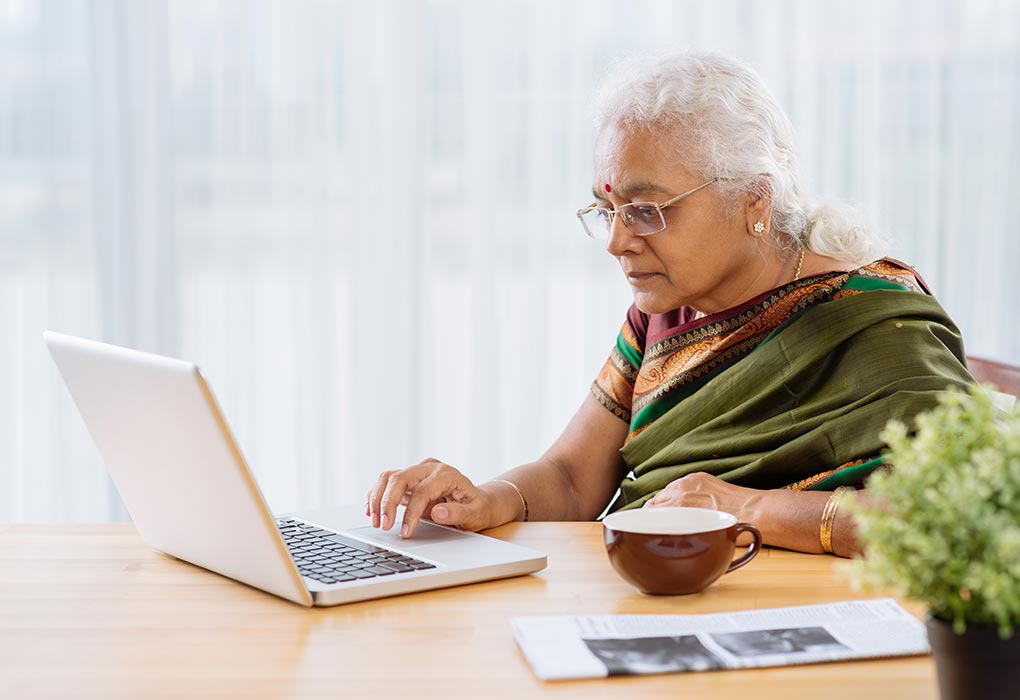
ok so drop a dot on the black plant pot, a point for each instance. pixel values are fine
(975, 664)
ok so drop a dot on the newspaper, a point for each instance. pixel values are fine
(561, 647)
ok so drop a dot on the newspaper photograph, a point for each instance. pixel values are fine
(562, 647)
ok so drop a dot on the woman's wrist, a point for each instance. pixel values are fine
(795, 520)
(784, 518)
(506, 501)
(524, 502)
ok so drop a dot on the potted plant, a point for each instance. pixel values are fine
(942, 526)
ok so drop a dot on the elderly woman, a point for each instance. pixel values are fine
(765, 348)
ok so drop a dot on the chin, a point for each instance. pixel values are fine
(655, 304)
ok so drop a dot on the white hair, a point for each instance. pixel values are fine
(729, 126)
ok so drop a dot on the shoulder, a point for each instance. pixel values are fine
(887, 273)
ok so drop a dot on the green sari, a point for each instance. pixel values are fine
(789, 390)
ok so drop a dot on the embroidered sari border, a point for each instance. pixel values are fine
(609, 402)
(850, 474)
(676, 361)
(642, 381)
(693, 353)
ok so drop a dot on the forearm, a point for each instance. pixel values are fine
(547, 490)
(792, 520)
(550, 493)
(576, 476)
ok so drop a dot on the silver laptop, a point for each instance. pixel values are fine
(190, 493)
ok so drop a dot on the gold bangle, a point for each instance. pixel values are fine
(829, 517)
(512, 485)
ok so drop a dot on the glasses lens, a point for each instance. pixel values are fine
(642, 218)
(596, 222)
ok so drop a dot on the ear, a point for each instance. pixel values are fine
(758, 207)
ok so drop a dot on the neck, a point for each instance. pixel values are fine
(773, 272)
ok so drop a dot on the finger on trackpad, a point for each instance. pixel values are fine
(425, 533)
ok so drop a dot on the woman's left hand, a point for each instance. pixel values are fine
(786, 518)
(702, 490)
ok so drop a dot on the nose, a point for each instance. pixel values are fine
(621, 239)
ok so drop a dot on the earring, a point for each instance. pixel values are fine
(759, 227)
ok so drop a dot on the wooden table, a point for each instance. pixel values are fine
(90, 611)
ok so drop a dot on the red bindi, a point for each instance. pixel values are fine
(608, 188)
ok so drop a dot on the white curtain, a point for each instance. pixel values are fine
(357, 217)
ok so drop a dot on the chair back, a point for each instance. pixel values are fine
(1004, 377)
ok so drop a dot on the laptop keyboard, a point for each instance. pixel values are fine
(330, 557)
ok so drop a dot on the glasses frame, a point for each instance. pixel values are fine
(611, 213)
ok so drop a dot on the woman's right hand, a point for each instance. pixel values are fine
(429, 489)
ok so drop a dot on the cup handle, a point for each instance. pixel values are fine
(752, 551)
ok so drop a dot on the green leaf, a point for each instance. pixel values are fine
(942, 525)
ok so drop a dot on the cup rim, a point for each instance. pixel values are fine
(663, 520)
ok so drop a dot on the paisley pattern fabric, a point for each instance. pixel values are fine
(789, 390)
(639, 384)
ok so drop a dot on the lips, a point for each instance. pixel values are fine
(637, 276)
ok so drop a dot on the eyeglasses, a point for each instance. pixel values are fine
(640, 218)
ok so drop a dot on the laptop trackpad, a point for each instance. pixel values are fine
(425, 534)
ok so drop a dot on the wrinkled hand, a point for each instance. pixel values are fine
(702, 490)
(429, 489)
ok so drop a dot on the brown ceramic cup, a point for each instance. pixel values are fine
(675, 551)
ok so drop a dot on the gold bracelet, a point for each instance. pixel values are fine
(829, 517)
(524, 501)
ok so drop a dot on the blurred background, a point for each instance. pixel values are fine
(358, 217)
